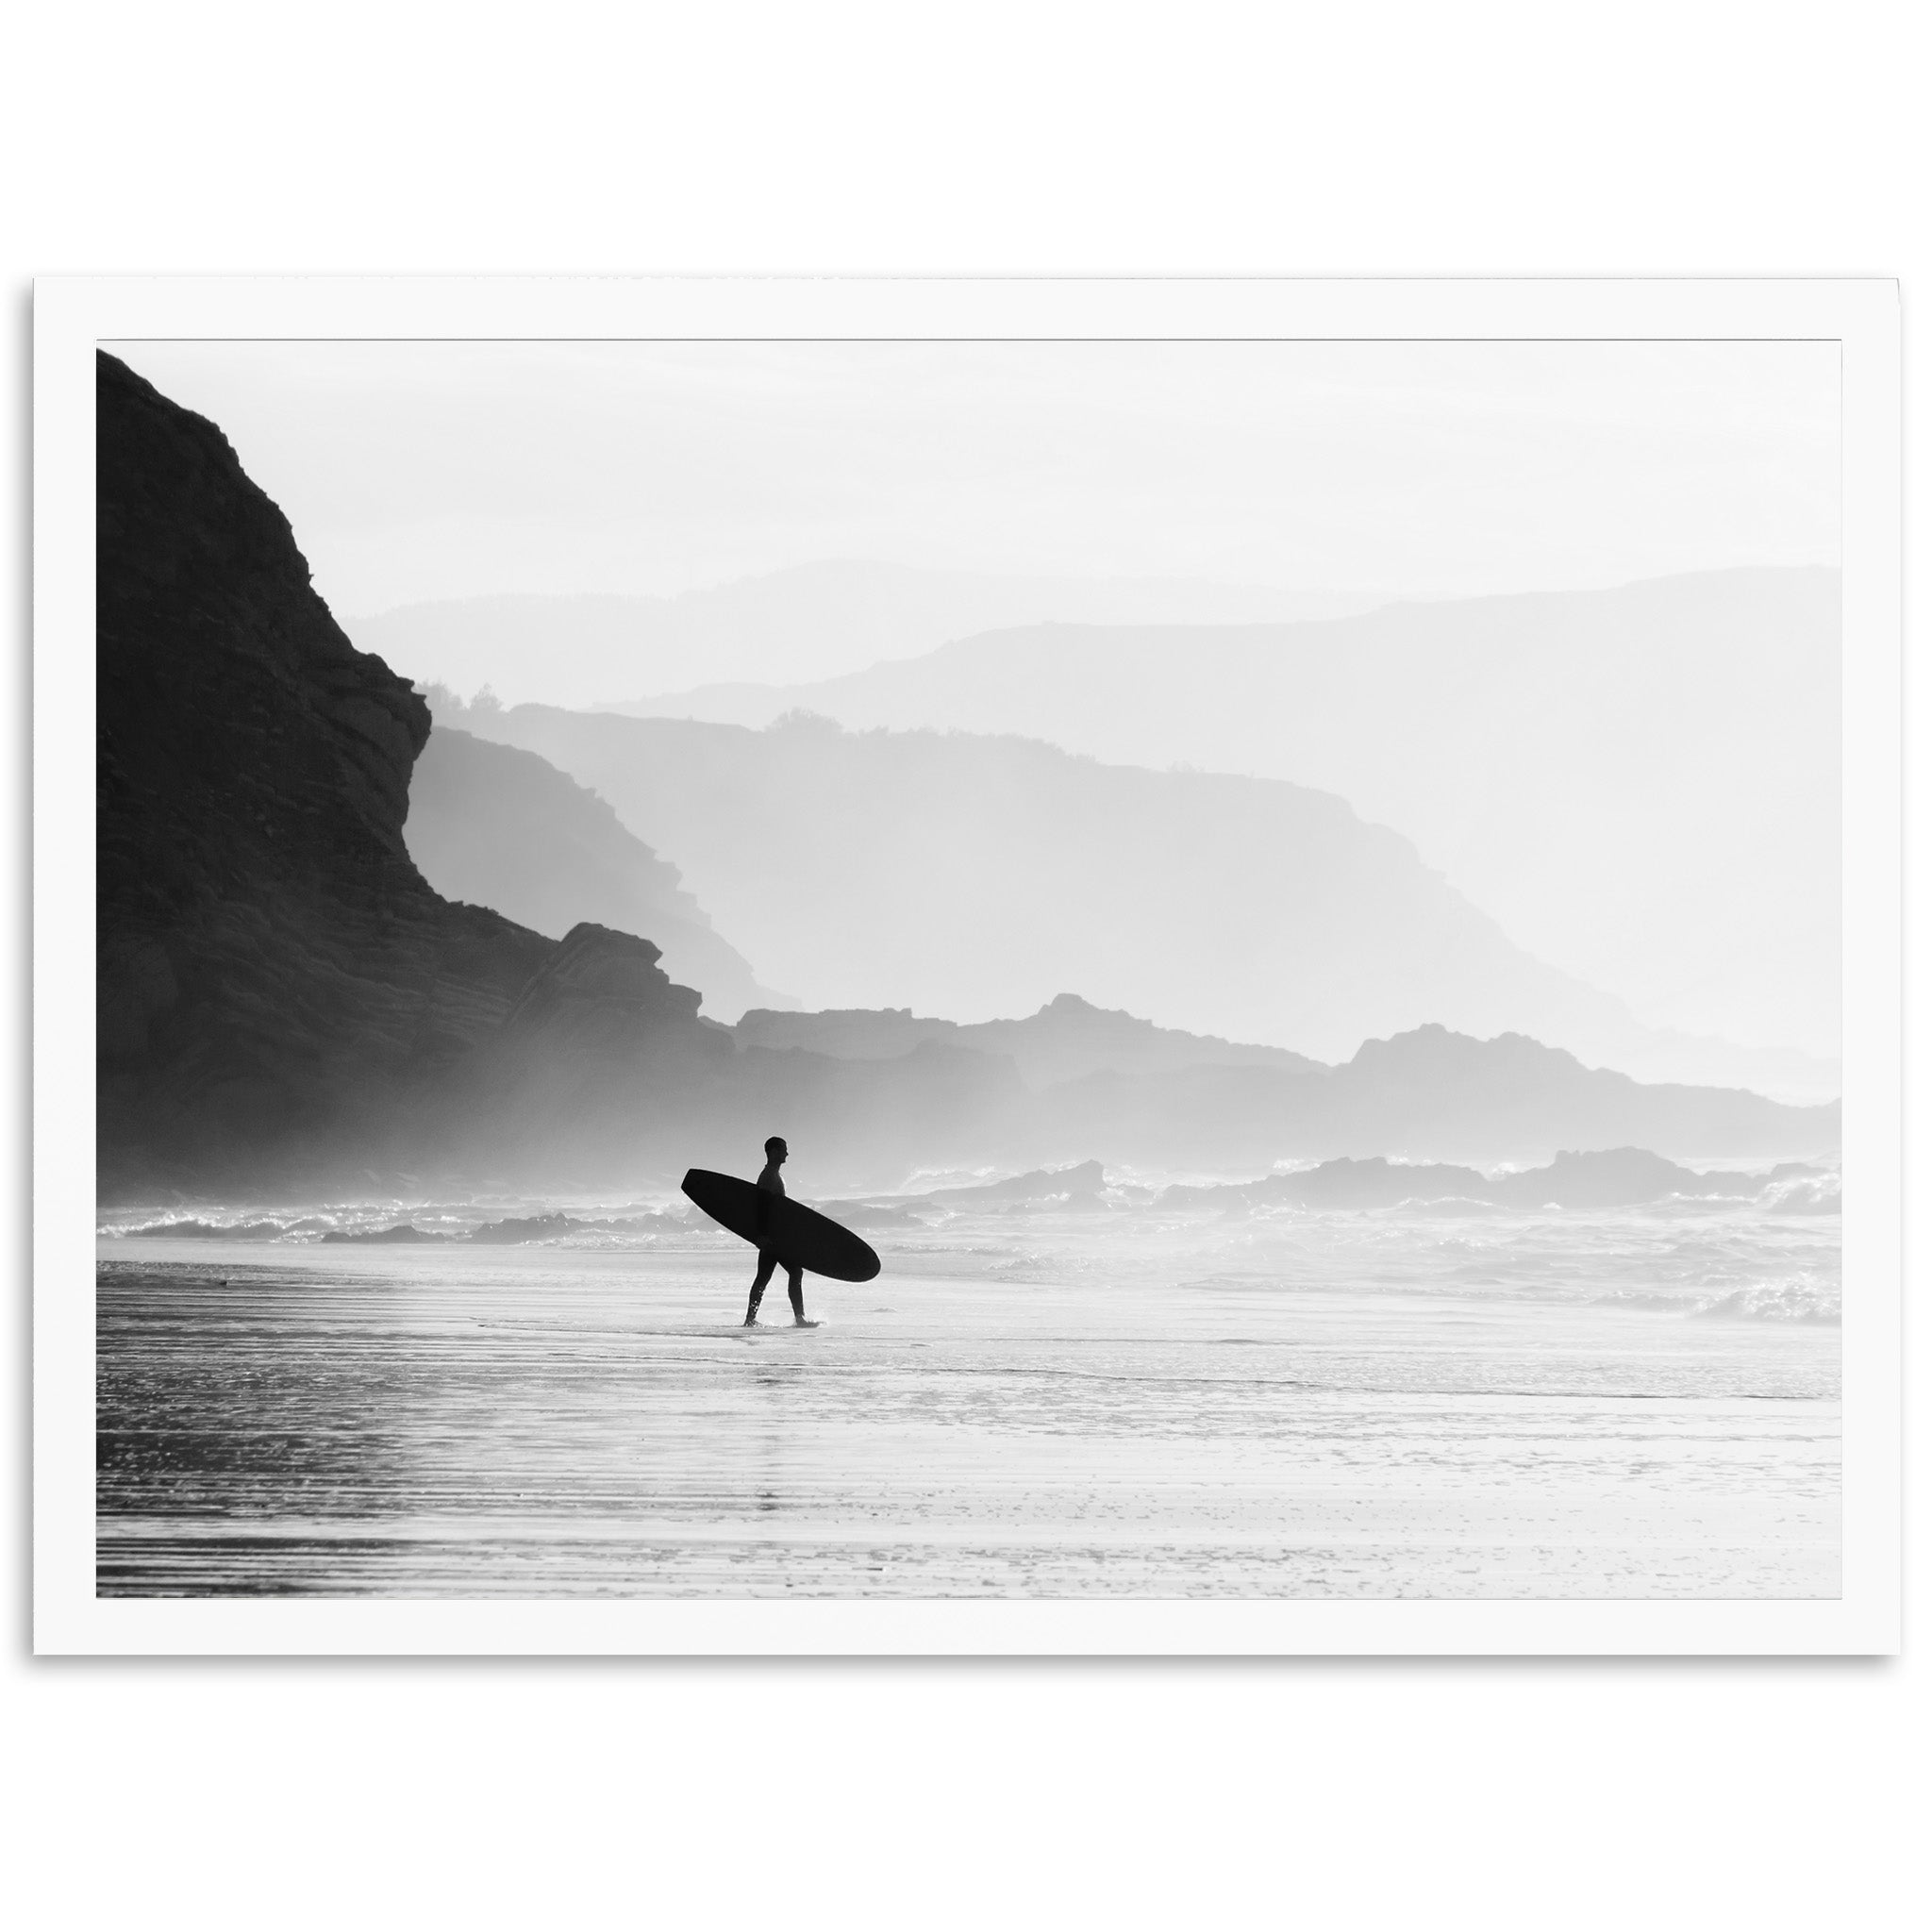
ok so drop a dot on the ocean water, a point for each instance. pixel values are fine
(1045, 1401)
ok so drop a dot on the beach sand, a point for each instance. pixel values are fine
(1034, 1407)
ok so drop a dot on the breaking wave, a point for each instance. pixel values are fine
(1778, 1301)
(1803, 1195)
(1800, 1299)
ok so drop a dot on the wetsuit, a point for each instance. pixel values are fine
(768, 1262)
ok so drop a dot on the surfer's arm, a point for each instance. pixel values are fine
(769, 1185)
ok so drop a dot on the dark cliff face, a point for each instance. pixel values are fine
(273, 973)
(595, 1068)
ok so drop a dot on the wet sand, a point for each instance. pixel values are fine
(1091, 1421)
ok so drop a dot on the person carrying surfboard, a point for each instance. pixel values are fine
(785, 1232)
(769, 1184)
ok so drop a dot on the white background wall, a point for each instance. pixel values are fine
(1675, 137)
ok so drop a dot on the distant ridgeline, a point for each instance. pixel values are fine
(1106, 1086)
(969, 873)
(1639, 784)
(285, 1001)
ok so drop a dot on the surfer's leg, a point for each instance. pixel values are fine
(767, 1262)
(795, 1285)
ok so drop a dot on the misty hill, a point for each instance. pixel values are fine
(1640, 783)
(501, 828)
(815, 620)
(971, 876)
(1174, 1100)
(582, 1085)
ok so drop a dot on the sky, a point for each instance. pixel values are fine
(415, 472)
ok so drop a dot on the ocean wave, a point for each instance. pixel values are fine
(1817, 1303)
(1777, 1301)
(1803, 1195)
(585, 1225)
(187, 1228)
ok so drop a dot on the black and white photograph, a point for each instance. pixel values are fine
(964, 967)
(969, 968)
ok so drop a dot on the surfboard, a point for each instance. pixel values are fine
(799, 1236)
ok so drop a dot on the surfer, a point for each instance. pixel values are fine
(769, 1183)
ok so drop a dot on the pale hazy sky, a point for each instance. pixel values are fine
(421, 470)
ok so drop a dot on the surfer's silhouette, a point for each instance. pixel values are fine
(769, 1183)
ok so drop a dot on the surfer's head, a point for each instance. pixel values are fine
(775, 1148)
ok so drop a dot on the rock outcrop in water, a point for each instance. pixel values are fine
(1073, 1186)
(1615, 1177)
(403, 1235)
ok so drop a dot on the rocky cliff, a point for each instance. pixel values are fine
(596, 1068)
(278, 988)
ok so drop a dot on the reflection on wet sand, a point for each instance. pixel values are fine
(1156, 1417)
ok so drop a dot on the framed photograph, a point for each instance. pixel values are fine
(1009, 967)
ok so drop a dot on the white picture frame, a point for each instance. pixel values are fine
(73, 315)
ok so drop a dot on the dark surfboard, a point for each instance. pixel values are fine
(796, 1234)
